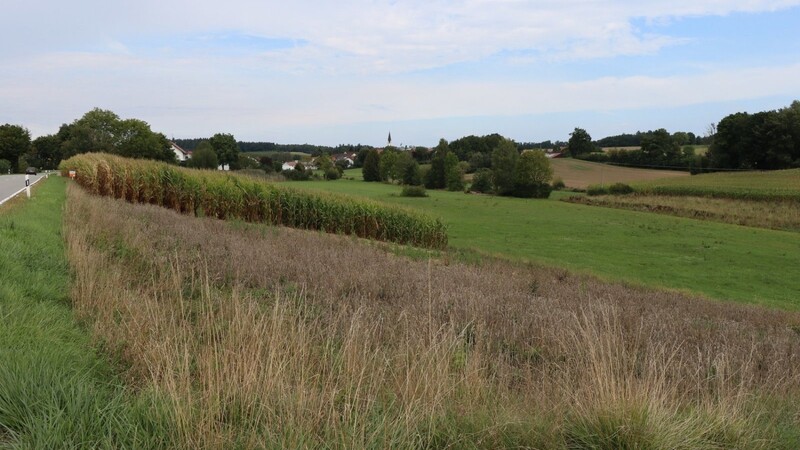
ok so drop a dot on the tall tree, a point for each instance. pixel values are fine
(203, 157)
(454, 176)
(436, 177)
(580, 142)
(386, 165)
(15, 141)
(371, 169)
(226, 148)
(96, 131)
(135, 139)
(48, 151)
(504, 166)
(533, 175)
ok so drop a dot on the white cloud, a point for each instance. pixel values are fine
(61, 59)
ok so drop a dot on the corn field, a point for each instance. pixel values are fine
(228, 196)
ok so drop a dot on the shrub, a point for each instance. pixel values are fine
(596, 189)
(5, 166)
(297, 175)
(333, 173)
(620, 189)
(413, 191)
(533, 191)
(482, 181)
(558, 184)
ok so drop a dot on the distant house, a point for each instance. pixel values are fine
(348, 158)
(289, 165)
(180, 154)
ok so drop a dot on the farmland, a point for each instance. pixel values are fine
(718, 260)
(580, 174)
(776, 215)
(772, 185)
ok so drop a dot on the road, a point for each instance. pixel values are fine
(11, 184)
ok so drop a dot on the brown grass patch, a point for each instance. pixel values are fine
(580, 174)
(776, 215)
(271, 337)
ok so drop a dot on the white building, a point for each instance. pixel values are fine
(180, 154)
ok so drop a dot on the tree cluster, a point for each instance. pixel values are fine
(103, 131)
(391, 165)
(658, 148)
(15, 142)
(526, 175)
(765, 140)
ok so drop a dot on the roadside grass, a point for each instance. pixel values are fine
(776, 215)
(273, 337)
(718, 260)
(55, 390)
(780, 185)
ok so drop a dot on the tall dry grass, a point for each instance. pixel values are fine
(275, 338)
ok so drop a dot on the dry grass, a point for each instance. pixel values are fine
(580, 174)
(278, 338)
(776, 215)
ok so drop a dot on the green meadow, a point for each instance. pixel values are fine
(718, 260)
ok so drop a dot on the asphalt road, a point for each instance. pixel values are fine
(10, 184)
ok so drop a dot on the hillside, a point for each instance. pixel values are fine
(580, 174)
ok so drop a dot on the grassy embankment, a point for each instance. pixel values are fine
(279, 338)
(55, 390)
(756, 199)
(719, 260)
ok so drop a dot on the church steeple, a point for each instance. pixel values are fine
(390, 139)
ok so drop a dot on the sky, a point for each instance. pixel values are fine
(352, 71)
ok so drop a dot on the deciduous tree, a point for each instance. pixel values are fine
(226, 148)
(15, 141)
(580, 142)
(371, 170)
(533, 175)
(504, 165)
(203, 157)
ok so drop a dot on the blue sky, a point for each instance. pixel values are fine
(352, 71)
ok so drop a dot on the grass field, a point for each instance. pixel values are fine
(580, 174)
(772, 185)
(719, 260)
(775, 215)
(56, 391)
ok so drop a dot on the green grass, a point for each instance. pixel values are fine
(55, 391)
(772, 185)
(718, 260)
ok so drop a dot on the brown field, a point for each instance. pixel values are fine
(580, 174)
(270, 337)
(776, 215)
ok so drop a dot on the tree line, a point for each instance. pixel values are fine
(766, 140)
(507, 172)
(102, 130)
